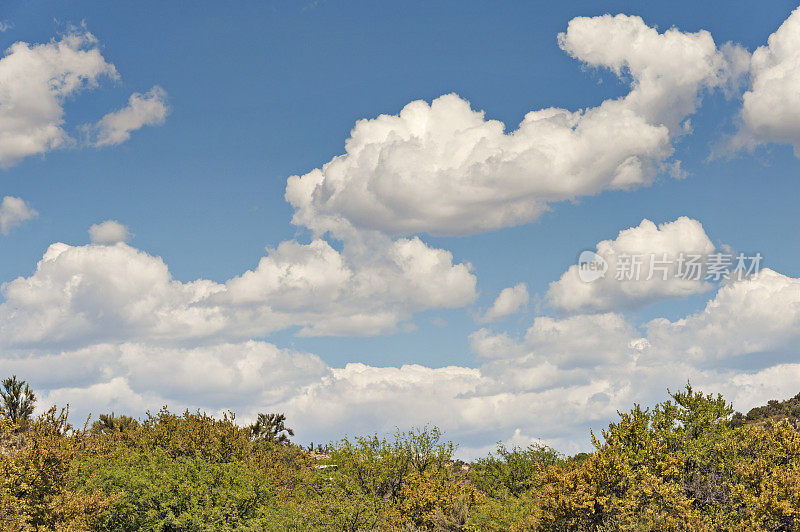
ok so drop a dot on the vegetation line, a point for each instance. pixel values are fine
(690, 463)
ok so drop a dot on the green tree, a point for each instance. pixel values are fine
(407, 480)
(271, 428)
(513, 471)
(111, 423)
(694, 424)
(18, 400)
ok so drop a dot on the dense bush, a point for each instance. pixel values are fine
(680, 466)
(408, 480)
(514, 471)
(685, 464)
(37, 491)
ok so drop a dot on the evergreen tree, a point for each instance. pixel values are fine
(111, 423)
(271, 428)
(17, 400)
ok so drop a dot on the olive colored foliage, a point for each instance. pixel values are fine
(684, 465)
(37, 491)
(681, 466)
(111, 423)
(406, 481)
(774, 410)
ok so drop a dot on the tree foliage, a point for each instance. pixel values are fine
(513, 471)
(111, 423)
(37, 491)
(271, 428)
(18, 400)
(682, 465)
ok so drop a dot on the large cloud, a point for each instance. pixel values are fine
(128, 337)
(771, 106)
(645, 263)
(442, 168)
(321, 402)
(558, 353)
(134, 377)
(473, 405)
(363, 290)
(81, 295)
(753, 315)
(92, 294)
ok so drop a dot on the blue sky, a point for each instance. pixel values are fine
(266, 90)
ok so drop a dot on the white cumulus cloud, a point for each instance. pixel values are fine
(656, 250)
(35, 79)
(135, 377)
(443, 168)
(771, 106)
(80, 295)
(753, 315)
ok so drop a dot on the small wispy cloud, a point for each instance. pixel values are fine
(148, 109)
(13, 212)
(510, 301)
(312, 5)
